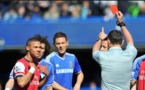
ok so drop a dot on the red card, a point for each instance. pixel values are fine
(114, 8)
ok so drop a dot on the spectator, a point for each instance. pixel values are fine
(75, 11)
(11, 15)
(142, 8)
(21, 11)
(85, 9)
(44, 6)
(52, 12)
(64, 12)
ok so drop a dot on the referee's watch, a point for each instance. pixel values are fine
(120, 23)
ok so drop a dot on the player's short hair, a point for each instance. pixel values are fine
(43, 39)
(32, 39)
(115, 37)
(58, 35)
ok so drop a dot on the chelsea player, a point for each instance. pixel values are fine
(64, 64)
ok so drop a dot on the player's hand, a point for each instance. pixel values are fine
(44, 69)
(76, 87)
(102, 34)
(32, 64)
(119, 16)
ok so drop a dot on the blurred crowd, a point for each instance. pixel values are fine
(54, 9)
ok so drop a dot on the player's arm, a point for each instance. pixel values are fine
(135, 72)
(9, 85)
(97, 45)
(125, 31)
(44, 70)
(49, 88)
(21, 78)
(58, 87)
(42, 82)
(80, 78)
(132, 83)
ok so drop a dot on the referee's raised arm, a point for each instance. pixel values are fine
(122, 25)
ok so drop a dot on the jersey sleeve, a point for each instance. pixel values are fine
(11, 74)
(42, 63)
(131, 50)
(77, 66)
(19, 69)
(50, 79)
(96, 55)
(47, 59)
(135, 69)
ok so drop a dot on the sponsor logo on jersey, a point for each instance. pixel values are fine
(59, 71)
(142, 75)
(36, 77)
(34, 82)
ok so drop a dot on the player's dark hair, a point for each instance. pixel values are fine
(45, 41)
(47, 45)
(32, 39)
(58, 35)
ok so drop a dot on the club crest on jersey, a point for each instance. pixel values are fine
(18, 69)
(70, 64)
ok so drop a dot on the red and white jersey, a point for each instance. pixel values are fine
(20, 69)
(141, 78)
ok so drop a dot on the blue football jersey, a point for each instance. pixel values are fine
(64, 68)
(50, 78)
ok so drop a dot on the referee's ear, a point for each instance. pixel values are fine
(122, 43)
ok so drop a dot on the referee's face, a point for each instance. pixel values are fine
(61, 45)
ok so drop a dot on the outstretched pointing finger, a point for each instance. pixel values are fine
(102, 29)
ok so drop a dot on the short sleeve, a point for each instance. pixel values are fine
(19, 69)
(135, 71)
(131, 50)
(96, 55)
(11, 74)
(77, 66)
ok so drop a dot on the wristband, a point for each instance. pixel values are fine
(32, 70)
(120, 24)
(7, 89)
(100, 39)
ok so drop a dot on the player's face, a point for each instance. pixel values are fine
(42, 50)
(34, 48)
(104, 46)
(61, 45)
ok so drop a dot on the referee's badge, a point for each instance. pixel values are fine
(70, 64)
